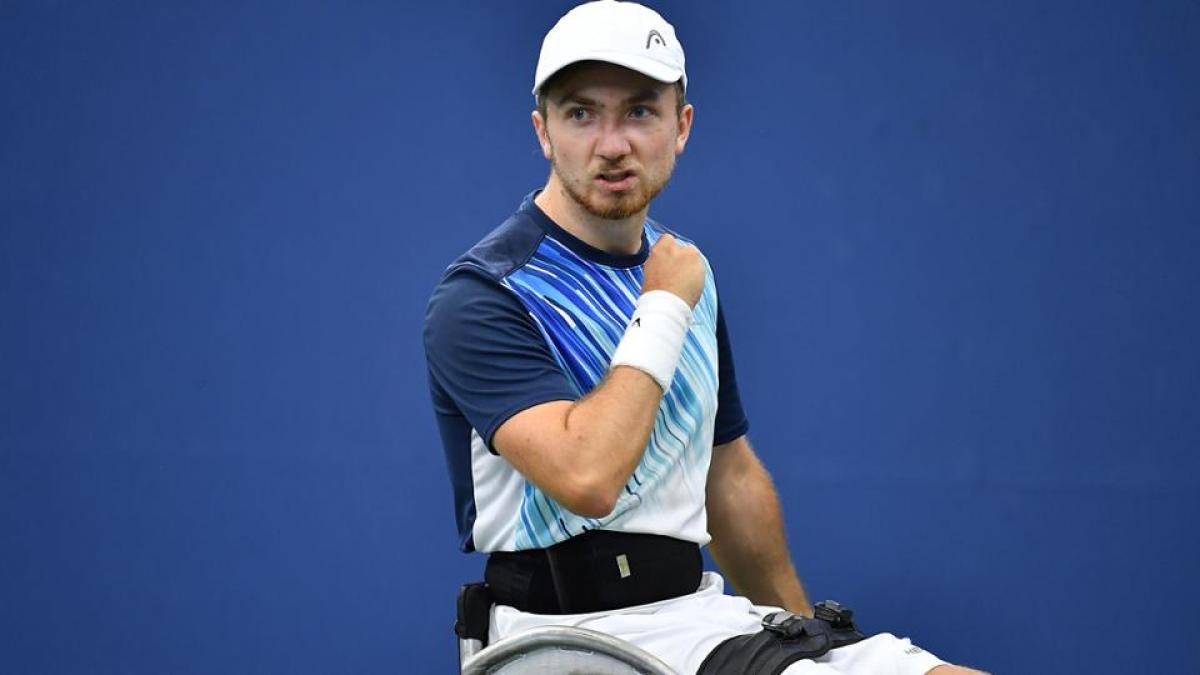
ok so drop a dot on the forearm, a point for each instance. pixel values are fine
(748, 541)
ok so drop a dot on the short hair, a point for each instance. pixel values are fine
(557, 78)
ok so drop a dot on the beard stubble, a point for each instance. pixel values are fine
(624, 205)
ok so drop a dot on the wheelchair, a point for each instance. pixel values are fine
(550, 649)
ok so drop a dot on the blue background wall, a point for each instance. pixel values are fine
(957, 242)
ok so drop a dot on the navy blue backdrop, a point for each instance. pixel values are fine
(958, 247)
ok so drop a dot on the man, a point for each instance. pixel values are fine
(585, 391)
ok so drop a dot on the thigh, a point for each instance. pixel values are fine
(882, 654)
(681, 631)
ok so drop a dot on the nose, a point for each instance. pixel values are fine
(612, 144)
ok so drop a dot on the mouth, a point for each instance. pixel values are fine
(616, 181)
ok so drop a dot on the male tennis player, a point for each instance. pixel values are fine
(584, 387)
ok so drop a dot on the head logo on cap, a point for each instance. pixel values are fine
(655, 37)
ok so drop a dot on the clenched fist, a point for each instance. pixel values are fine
(676, 268)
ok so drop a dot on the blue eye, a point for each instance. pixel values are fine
(640, 111)
(578, 114)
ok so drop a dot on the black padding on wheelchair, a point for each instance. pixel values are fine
(785, 639)
(474, 611)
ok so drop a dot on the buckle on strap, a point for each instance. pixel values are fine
(811, 637)
(830, 621)
(835, 614)
(839, 621)
(786, 625)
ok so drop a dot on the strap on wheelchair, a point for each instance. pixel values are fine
(785, 639)
(474, 608)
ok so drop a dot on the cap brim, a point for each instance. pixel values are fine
(651, 68)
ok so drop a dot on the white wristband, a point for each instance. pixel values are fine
(654, 338)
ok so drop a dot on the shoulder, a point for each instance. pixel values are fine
(504, 249)
(471, 291)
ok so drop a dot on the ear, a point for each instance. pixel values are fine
(684, 128)
(539, 128)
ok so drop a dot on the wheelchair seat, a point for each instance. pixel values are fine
(550, 649)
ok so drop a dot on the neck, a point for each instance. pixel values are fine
(619, 237)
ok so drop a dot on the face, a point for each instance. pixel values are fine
(612, 136)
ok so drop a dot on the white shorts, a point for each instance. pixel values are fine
(682, 631)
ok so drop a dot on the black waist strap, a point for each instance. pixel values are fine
(595, 571)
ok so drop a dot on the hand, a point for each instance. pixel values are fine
(676, 268)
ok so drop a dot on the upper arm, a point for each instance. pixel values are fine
(582, 453)
(729, 462)
(731, 422)
(485, 356)
(520, 439)
(731, 449)
(538, 445)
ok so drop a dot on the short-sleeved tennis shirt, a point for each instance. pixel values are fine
(531, 314)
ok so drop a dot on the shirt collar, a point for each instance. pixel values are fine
(577, 245)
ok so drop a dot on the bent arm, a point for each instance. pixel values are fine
(744, 519)
(582, 453)
(487, 359)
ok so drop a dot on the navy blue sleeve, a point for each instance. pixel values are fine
(487, 360)
(731, 421)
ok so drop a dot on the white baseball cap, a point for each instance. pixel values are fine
(624, 33)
